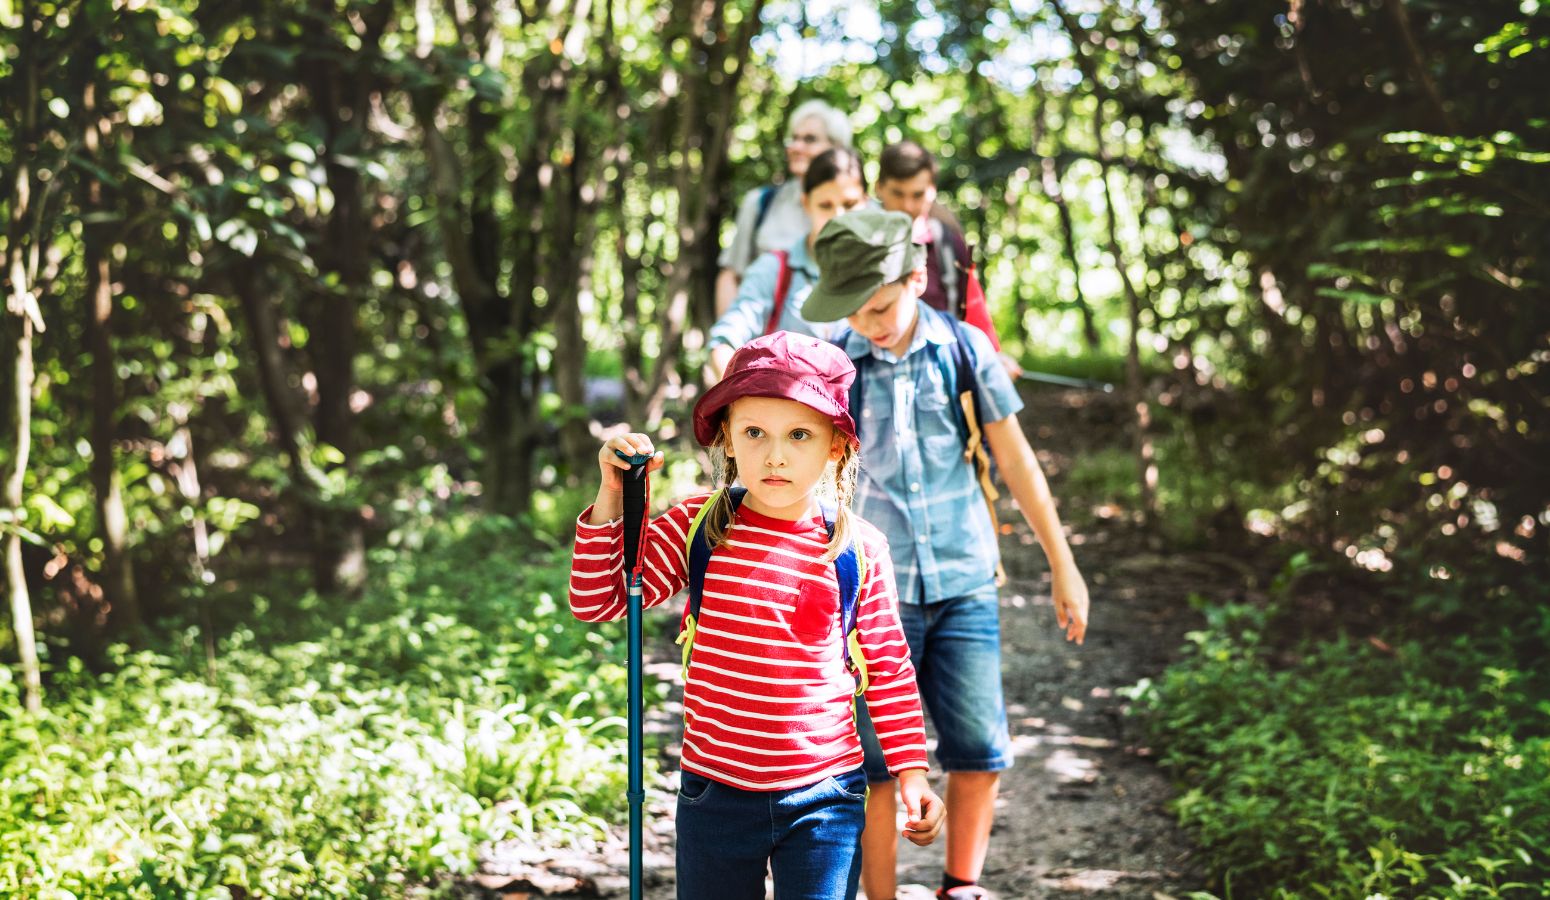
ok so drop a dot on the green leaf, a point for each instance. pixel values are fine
(1351, 296)
(26, 534)
(51, 516)
(230, 98)
(299, 151)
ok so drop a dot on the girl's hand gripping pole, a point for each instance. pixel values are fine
(636, 490)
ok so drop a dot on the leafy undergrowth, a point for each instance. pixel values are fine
(342, 748)
(1358, 769)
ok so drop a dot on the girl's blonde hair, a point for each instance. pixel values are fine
(840, 477)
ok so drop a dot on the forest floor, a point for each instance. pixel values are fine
(1082, 811)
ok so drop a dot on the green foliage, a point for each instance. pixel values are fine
(340, 750)
(1386, 184)
(1344, 769)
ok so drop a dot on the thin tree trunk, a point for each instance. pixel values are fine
(571, 254)
(342, 101)
(633, 359)
(1146, 462)
(1417, 58)
(258, 310)
(21, 304)
(181, 463)
(122, 600)
(706, 127)
(515, 428)
(1050, 176)
(1051, 173)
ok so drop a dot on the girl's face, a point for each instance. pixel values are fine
(833, 197)
(782, 448)
(807, 139)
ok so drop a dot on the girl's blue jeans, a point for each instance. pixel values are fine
(809, 838)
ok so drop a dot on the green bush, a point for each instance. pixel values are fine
(342, 749)
(1347, 769)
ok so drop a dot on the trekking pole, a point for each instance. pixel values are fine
(1068, 381)
(636, 488)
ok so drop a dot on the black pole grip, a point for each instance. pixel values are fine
(634, 507)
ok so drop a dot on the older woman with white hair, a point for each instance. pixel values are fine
(771, 217)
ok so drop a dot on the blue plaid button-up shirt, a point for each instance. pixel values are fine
(915, 485)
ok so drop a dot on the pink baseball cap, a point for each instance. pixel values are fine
(789, 366)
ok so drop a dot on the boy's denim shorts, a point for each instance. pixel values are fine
(956, 648)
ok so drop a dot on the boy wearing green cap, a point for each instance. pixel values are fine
(922, 489)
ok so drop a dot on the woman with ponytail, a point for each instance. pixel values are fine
(774, 287)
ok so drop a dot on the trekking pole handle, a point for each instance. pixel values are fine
(634, 504)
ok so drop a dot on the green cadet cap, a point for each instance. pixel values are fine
(857, 253)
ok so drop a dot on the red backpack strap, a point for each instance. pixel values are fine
(782, 286)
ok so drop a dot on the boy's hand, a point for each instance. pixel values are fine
(1070, 593)
(632, 444)
(923, 809)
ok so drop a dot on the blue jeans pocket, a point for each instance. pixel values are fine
(692, 788)
(851, 785)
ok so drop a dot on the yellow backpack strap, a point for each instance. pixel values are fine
(853, 638)
(686, 640)
(974, 454)
(690, 624)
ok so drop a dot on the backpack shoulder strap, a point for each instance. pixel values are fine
(850, 572)
(698, 546)
(947, 261)
(766, 197)
(971, 420)
(964, 376)
(782, 287)
(699, 549)
(854, 400)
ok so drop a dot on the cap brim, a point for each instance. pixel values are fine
(827, 306)
(763, 383)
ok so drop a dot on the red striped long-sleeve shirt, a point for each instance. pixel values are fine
(767, 700)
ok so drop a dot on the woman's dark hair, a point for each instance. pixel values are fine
(831, 164)
(905, 160)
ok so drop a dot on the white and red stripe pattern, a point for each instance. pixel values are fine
(767, 705)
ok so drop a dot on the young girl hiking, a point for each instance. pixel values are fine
(792, 620)
(774, 286)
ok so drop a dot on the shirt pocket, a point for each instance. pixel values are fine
(936, 410)
(817, 613)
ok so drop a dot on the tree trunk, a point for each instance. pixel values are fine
(574, 279)
(120, 597)
(341, 99)
(705, 124)
(1135, 389)
(1051, 173)
(631, 355)
(1146, 463)
(181, 463)
(286, 417)
(21, 267)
